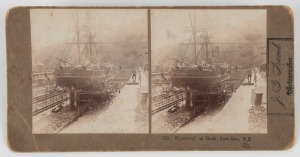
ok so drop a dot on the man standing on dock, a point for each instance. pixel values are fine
(249, 75)
(140, 76)
(255, 77)
(133, 75)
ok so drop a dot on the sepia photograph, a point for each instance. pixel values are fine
(89, 71)
(150, 78)
(208, 70)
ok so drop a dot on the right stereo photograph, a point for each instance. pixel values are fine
(208, 71)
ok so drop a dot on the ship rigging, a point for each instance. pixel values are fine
(199, 76)
(88, 74)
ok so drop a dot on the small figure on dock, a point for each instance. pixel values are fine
(249, 75)
(255, 77)
(133, 75)
(117, 88)
(140, 76)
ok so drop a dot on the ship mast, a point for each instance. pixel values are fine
(205, 41)
(78, 29)
(193, 25)
(89, 43)
(206, 44)
(78, 37)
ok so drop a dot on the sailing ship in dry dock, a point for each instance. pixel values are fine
(88, 74)
(199, 76)
(81, 77)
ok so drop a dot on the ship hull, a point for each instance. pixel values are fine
(195, 79)
(80, 79)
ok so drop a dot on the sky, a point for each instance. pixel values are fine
(170, 27)
(52, 26)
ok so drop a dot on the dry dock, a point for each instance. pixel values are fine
(124, 114)
(238, 116)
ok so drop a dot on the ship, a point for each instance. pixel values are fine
(81, 77)
(199, 76)
(88, 74)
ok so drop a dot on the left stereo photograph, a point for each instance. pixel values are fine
(89, 71)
